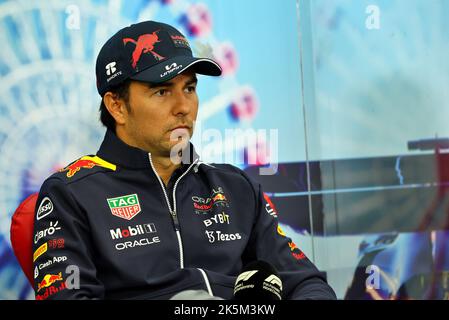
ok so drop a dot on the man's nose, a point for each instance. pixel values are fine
(182, 105)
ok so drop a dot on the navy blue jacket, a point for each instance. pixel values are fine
(110, 222)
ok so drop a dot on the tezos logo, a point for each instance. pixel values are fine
(217, 236)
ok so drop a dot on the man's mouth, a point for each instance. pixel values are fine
(181, 127)
(180, 132)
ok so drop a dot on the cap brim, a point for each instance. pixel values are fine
(172, 67)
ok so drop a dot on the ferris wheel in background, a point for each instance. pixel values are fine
(48, 99)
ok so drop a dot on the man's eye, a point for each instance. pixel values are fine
(191, 89)
(161, 92)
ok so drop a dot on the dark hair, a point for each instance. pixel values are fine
(122, 92)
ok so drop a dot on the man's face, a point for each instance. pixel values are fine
(159, 114)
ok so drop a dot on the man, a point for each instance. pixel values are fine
(145, 218)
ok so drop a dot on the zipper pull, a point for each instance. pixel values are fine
(175, 220)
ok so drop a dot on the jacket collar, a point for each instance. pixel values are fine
(114, 150)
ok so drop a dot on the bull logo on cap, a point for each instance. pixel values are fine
(144, 44)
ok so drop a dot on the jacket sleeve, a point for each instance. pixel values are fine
(62, 247)
(300, 278)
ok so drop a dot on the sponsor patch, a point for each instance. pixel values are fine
(296, 252)
(129, 232)
(218, 236)
(217, 199)
(86, 162)
(140, 229)
(180, 41)
(47, 231)
(45, 208)
(125, 207)
(220, 218)
(50, 244)
(51, 290)
(57, 243)
(298, 256)
(48, 280)
(145, 43)
(137, 243)
(50, 262)
(40, 251)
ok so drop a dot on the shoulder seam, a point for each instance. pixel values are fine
(68, 181)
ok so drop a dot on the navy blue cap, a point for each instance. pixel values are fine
(148, 51)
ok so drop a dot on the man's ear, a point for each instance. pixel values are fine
(116, 107)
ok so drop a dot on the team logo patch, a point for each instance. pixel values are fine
(180, 41)
(204, 205)
(281, 232)
(145, 43)
(86, 162)
(125, 207)
(296, 252)
(48, 280)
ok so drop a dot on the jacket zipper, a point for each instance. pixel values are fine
(206, 281)
(173, 214)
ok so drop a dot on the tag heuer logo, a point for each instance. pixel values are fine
(126, 207)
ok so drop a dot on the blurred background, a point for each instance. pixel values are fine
(347, 96)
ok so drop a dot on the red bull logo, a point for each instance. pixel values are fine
(180, 41)
(292, 246)
(297, 255)
(86, 162)
(144, 44)
(51, 290)
(219, 197)
(205, 205)
(48, 280)
(281, 232)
